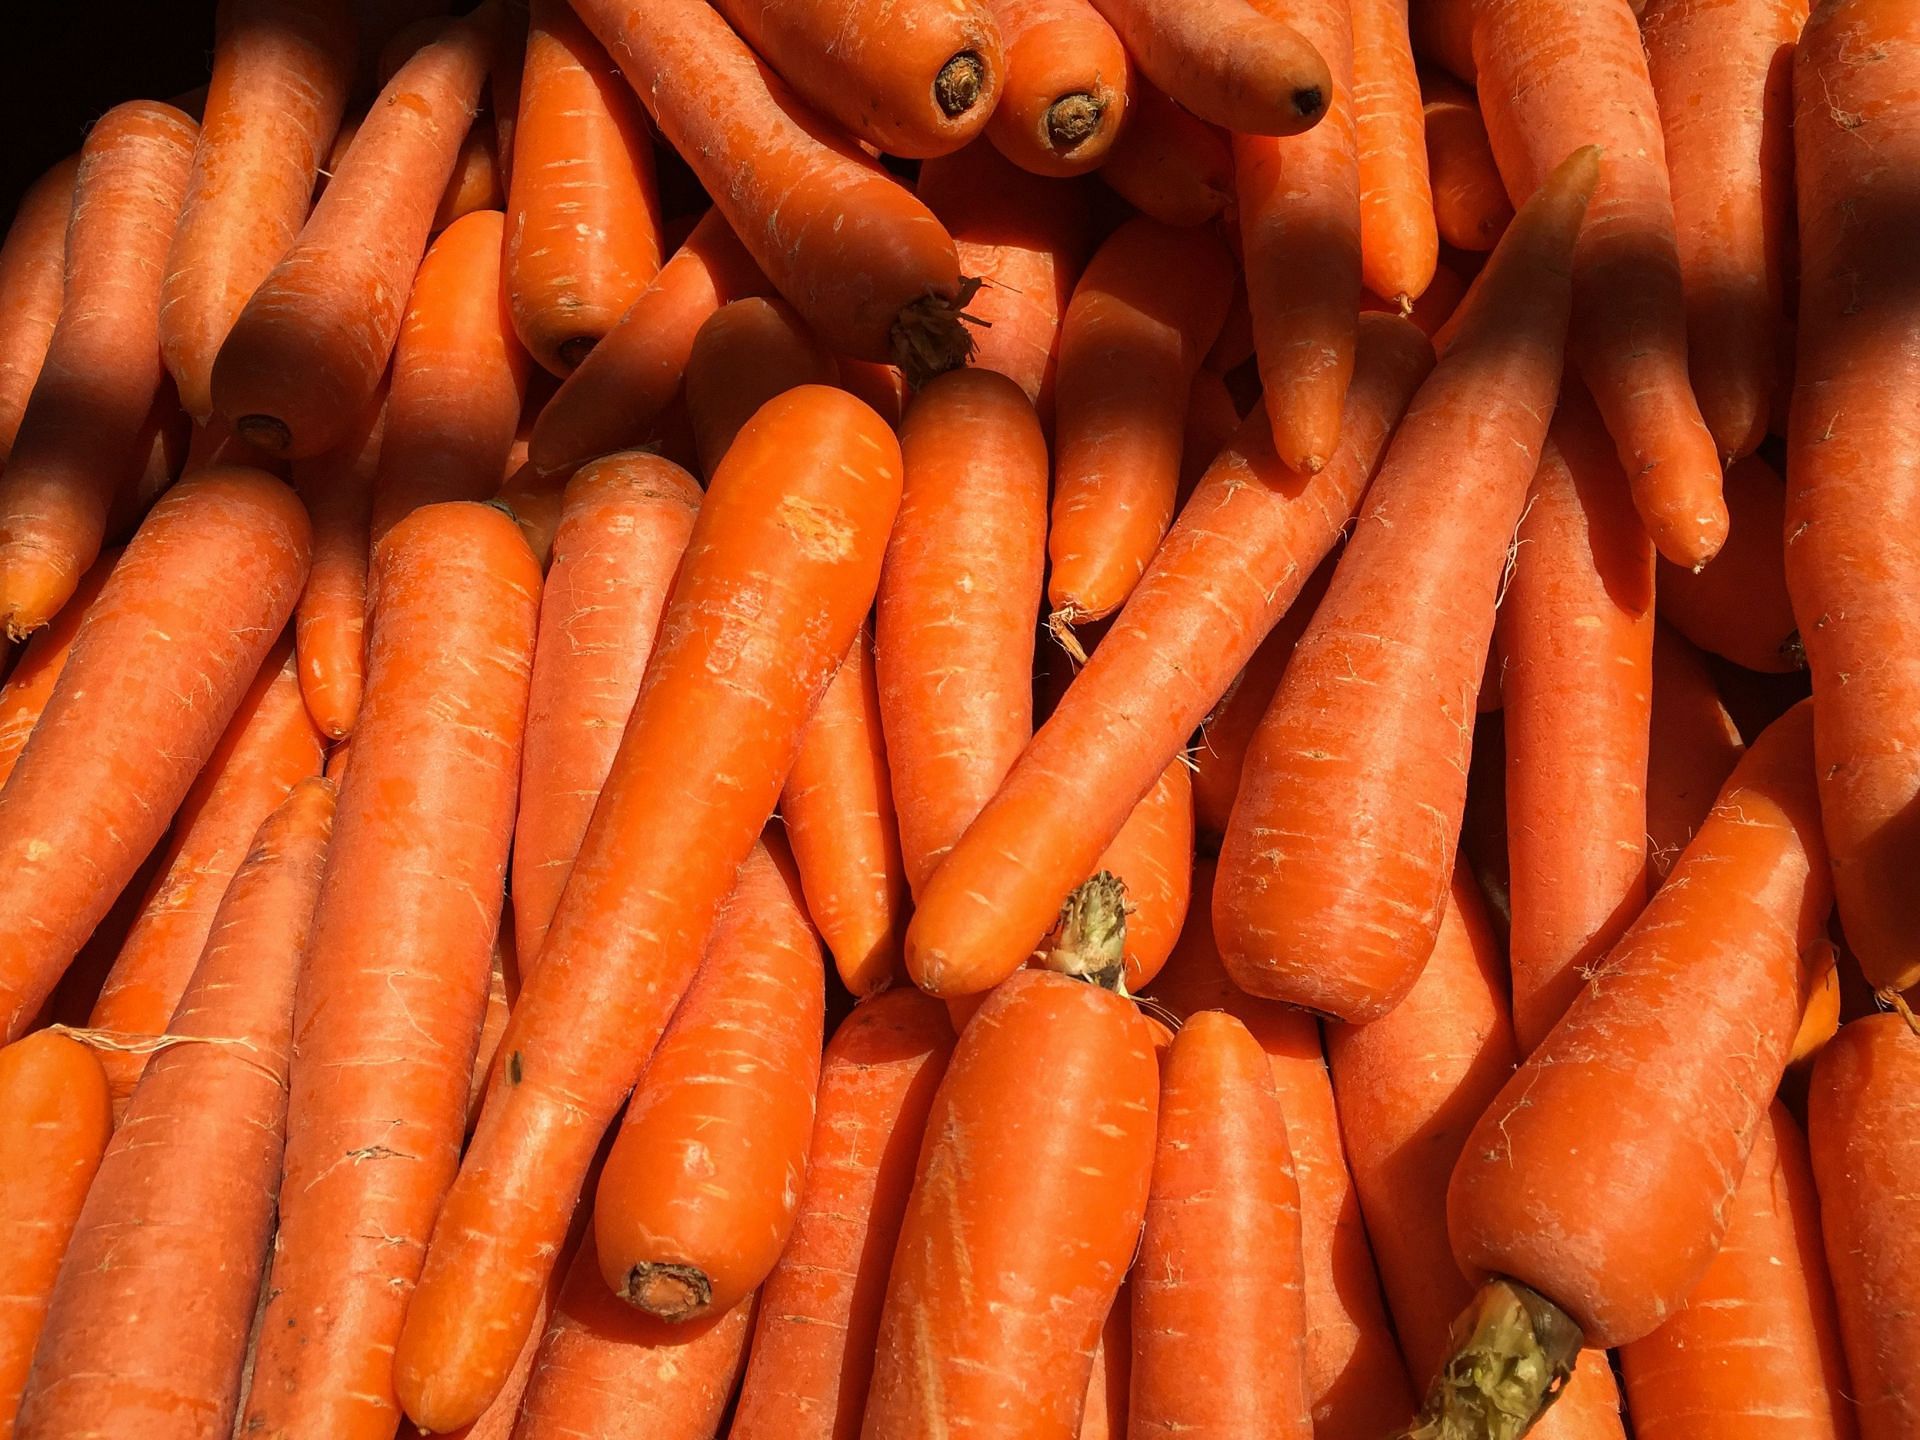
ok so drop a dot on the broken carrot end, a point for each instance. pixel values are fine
(930, 337)
(1090, 940)
(668, 1291)
(1513, 1353)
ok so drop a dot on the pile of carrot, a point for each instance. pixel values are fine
(1016, 719)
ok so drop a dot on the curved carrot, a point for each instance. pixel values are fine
(1064, 93)
(1399, 241)
(331, 621)
(1340, 848)
(1142, 318)
(184, 1199)
(281, 70)
(583, 220)
(748, 352)
(395, 983)
(1470, 204)
(1695, 745)
(159, 666)
(32, 282)
(305, 356)
(805, 495)
(102, 372)
(623, 528)
(30, 684)
(1167, 163)
(1738, 607)
(1233, 63)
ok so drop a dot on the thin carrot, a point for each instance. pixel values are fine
(1153, 858)
(1168, 163)
(806, 493)
(1443, 35)
(506, 77)
(184, 1198)
(1738, 607)
(1064, 92)
(583, 219)
(1336, 862)
(303, 360)
(747, 353)
(1694, 748)
(1233, 63)
(1399, 241)
(395, 984)
(32, 282)
(1470, 204)
(623, 528)
(159, 666)
(30, 684)
(331, 621)
(76, 441)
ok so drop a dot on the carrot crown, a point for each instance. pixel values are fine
(1090, 940)
(1513, 1353)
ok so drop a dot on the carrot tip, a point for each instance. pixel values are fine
(265, 431)
(1309, 101)
(1072, 119)
(572, 352)
(667, 1290)
(1090, 940)
(1514, 1352)
(930, 336)
(957, 87)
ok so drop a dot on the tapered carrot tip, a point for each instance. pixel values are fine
(668, 1291)
(1513, 1353)
(30, 594)
(957, 87)
(1090, 942)
(266, 431)
(931, 335)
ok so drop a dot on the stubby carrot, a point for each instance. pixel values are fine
(747, 353)
(1168, 163)
(1399, 238)
(102, 372)
(184, 1198)
(394, 988)
(159, 666)
(30, 683)
(1695, 745)
(1063, 97)
(1738, 607)
(1470, 204)
(805, 496)
(1234, 63)
(32, 283)
(330, 624)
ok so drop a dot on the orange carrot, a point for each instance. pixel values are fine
(475, 184)
(1105, 1416)
(1399, 242)
(395, 984)
(330, 624)
(1153, 858)
(1443, 35)
(1212, 419)
(1694, 748)
(1436, 306)
(747, 353)
(183, 1207)
(159, 456)
(32, 282)
(1738, 607)
(1064, 94)
(1470, 203)
(76, 439)
(30, 685)
(503, 988)
(1233, 63)
(1167, 163)
(159, 666)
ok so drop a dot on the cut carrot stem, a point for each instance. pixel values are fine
(1064, 96)
(32, 284)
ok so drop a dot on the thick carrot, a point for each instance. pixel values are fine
(1399, 240)
(812, 1353)
(269, 747)
(869, 267)
(303, 360)
(1738, 607)
(1565, 73)
(804, 496)
(331, 622)
(1853, 465)
(281, 70)
(395, 984)
(1340, 848)
(1470, 204)
(184, 1200)
(1299, 202)
(1443, 35)
(76, 441)
(583, 219)
(1722, 73)
(622, 531)
(747, 353)
(1233, 563)
(30, 683)
(1064, 92)
(159, 666)
(1219, 1319)
(1167, 163)
(459, 379)
(1142, 318)
(1861, 1134)
(32, 282)
(1233, 63)
(1694, 748)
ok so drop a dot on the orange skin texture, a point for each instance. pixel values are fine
(1722, 72)
(1399, 240)
(503, 987)
(159, 666)
(475, 183)
(583, 219)
(1233, 63)
(1047, 1109)
(1236, 559)
(330, 623)
(305, 356)
(1738, 607)
(185, 1200)
(1336, 862)
(281, 71)
(1470, 203)
(1105, 1416)
(32, 284)
(747, 353)
(1865, 1160)
(624, 525)
(780, 571)
(1603, 1173)
(270, 746)
(30, 683)
(1695, 745)
(394, 988)
(1167, 163)
(1443, 35)
(1853, 464)
(101, 371)
(1153, 857)
(1436, 305)
(1056, 50)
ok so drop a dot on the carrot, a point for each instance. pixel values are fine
(158, 667)
(1470, 204)
(1443, 35)
(503, 987)
(184, 1202)
(616, 396)
(1299, 202)
(1233, 563)
(1105, 1415)
(330, 623)
(805, 494)
(1722, 74)
(1575, 634)
(1738, 607)
(459, 379)
(1437, 304)
(1167, 163)
(1142, 318)
(1064, 89)
(395, 984)
(1694, 748)
(623, 528)
(1335, 865)
(1864, 1160)
(32, 282)
(76, 439)
(1399, 241)
(748, 352)
(1233, 63)
(505, 81)
(158, 456)
(269, 747)
(812, 1352)
(1219, 1322)
(30, 684)
(1153, 857)
(864, 263)
(583, 219)
(1212, 419)
(305, 355)
(699, 1192)
(281, 70)
(1565, 73)
(1853, 466)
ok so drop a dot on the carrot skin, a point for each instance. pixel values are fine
(1399, 238)
(1168, 163)
(1064, 94)
(1153, 857)
(746, 353)
(30, 683)
(1738, 607)
(1470, 204)
(330, 622)
(1694, 747)
(32, 284)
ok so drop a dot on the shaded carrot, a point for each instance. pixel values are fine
(1738, 607)
(1437, 304)
(1212, 420)
(1443, 35)
(475, 183)
(159, 456)
(1694, 748)
(747, 352)
(1153, 858)
(503, 988)
(32, 282)
(1105, 1416)
(1168, 163)
(1399, 241)
(30, 683)
(1064, 92)
(882, 388)
(1233, 63)
(1470, 204)
(331, 621)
